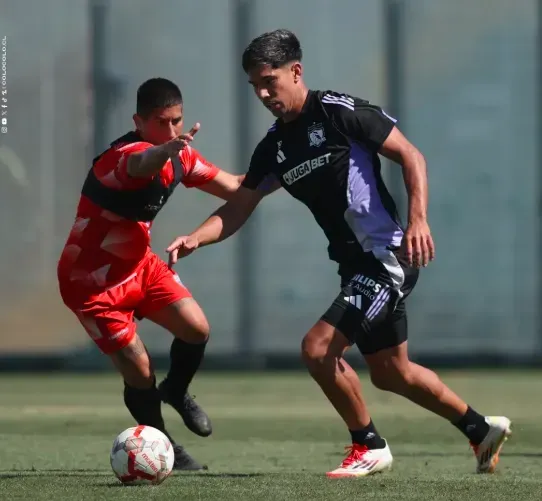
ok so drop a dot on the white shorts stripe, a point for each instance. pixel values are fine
(376, 308)
(376, 300)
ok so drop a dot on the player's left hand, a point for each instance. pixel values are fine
(417, 247)
(181, 247)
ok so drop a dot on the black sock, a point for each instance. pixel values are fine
(368, 436)
(145, 406)
(185, 360)
(473, 426)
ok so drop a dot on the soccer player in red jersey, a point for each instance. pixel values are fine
(108, 273)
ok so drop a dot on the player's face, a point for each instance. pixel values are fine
(162, 125)
(277, 88)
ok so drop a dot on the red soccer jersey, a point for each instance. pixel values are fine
(103, 248)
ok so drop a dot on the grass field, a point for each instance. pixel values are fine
(274, 438)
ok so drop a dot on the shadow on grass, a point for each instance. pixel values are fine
(466, 453)
(226, 475)
(194, 474)
(89, 473)
(428, 454)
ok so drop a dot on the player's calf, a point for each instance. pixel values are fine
(187, 322)
(322, 351)
(392, 371)
(141, 396)
(185, 360)
(134, 364)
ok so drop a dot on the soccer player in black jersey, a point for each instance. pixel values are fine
(324, 150)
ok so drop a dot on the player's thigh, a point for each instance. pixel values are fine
(168, 303)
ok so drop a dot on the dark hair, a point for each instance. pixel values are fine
(157, 93)
(274, 48)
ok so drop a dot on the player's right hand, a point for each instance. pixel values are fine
(181, 247)
(180, 142)
(418, 248)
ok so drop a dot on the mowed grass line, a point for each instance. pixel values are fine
(275, 436)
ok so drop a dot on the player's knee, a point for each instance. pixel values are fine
(140, 380)
(135, 366)
(197, 332)
(188, 322)
(381, 380)
(140, 375)
(314, 352)
(144, 373)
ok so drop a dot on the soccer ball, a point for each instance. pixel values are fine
(142, 455)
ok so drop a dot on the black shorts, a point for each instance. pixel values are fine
(370, 310)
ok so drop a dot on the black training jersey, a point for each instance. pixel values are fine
(327, 158)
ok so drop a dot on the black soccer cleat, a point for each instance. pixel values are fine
(184, 461)
(194, 417)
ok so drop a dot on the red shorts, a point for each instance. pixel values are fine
(108, 317)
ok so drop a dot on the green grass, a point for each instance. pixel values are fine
(274, 438)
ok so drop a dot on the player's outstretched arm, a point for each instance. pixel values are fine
(224, 185)
(418, 246)
(151, 161)
(223, 223)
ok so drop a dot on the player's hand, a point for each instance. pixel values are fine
(180, 142)
(181, 247)
(417, 247)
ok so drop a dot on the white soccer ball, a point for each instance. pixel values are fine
(142, 455)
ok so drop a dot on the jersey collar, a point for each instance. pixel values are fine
(304, 110)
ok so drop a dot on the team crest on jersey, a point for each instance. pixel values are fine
(317, 136)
